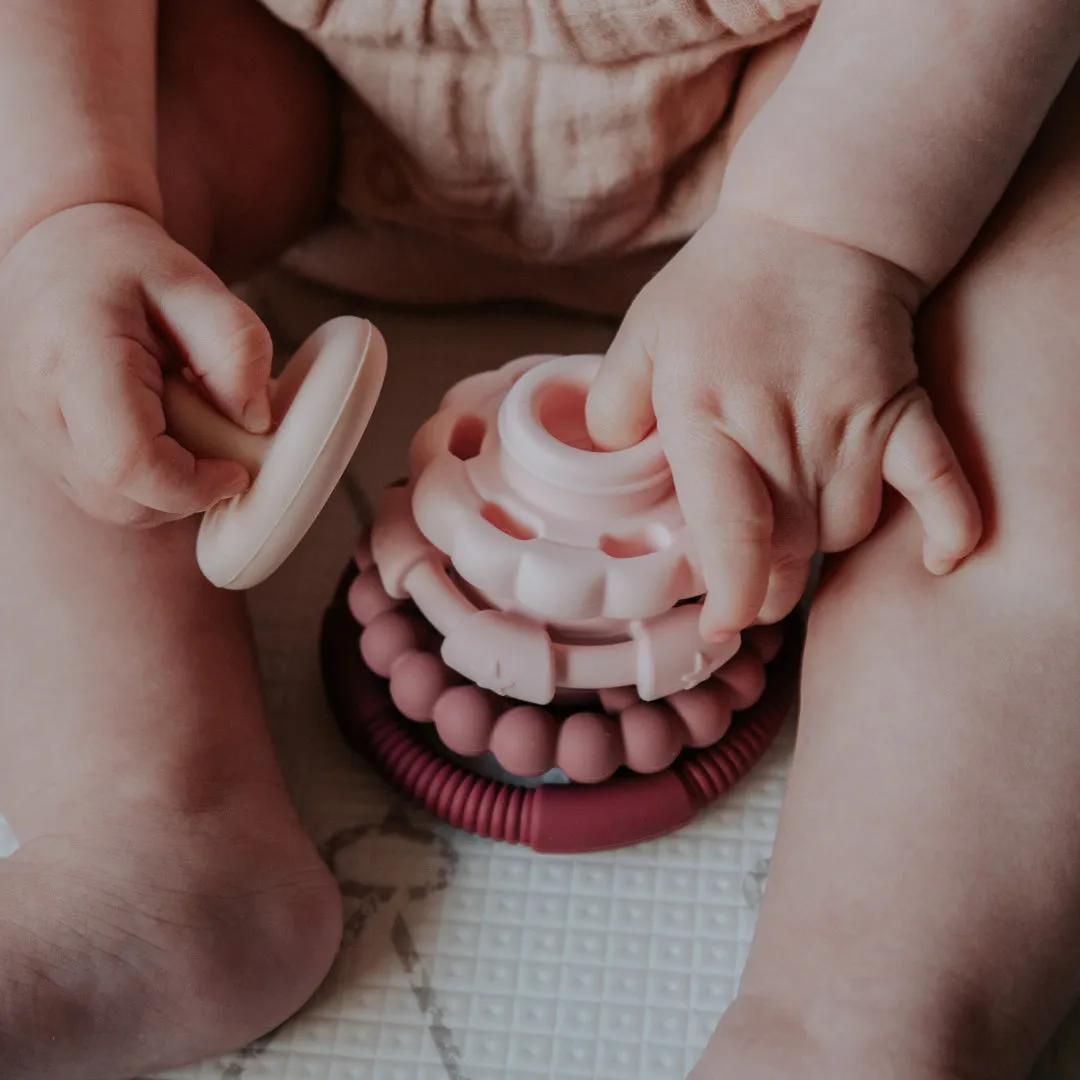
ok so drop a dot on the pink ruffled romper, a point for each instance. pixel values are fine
(483, 136)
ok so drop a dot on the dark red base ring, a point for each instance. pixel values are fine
(550, 818)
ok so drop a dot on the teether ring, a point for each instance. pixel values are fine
(527, 604)
(321, 405)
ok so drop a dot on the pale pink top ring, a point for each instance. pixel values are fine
(541, 430)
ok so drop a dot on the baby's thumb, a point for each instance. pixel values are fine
(919, 462)
(619, 410)
(223, 342)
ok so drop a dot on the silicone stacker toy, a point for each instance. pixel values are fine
(529, 665)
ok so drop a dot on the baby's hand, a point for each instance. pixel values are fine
(95, 303)
(778, 368)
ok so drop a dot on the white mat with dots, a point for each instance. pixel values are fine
(464, 959)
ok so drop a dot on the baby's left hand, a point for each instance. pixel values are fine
(779, 370)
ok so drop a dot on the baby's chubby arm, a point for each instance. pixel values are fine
(96, 299)
(77, 109)
(774, 353)
(901, 123)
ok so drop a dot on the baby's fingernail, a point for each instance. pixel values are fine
(257, 414)
(938, 564)
(237, 485)
(717, 635)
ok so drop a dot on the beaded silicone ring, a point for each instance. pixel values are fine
(550, 818)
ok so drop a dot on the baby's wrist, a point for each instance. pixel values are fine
(819, 178)
(105, 182)
(888, 233)
(881, 272)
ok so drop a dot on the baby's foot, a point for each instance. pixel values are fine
(143, 940)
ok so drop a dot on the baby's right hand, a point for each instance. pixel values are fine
(779, 370)
(96, 303)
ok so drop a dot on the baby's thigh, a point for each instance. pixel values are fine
(247, 128)
(998, 347)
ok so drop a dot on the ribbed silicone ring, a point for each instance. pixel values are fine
(551, 818)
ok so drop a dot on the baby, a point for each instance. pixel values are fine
(895, 182)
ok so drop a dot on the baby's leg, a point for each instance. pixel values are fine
(165, 903)
(246, 132)
(922, 918)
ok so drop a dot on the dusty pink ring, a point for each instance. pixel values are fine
(645, 736)
(552, 818)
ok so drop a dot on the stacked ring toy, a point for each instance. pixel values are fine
(516, 645)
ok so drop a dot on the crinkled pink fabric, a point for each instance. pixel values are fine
(537, 130)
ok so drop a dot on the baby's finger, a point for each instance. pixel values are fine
(103, 505)
(222, 340)
(728, 508)
(117, 429)
(787, 583)
(920, 464)
(619, 410)
(849, 505)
